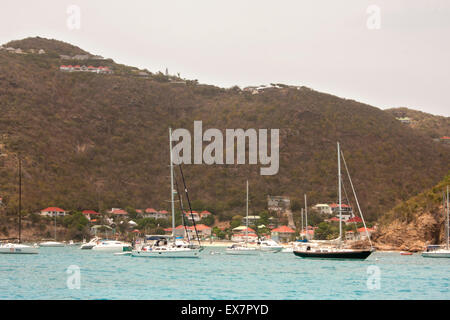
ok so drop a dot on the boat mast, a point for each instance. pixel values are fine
(448, 225)
(340, 195)
(302, 222)
(246, 220)
(306, 219)
(171, 185)
(20, 200)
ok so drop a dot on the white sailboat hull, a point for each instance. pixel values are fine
(437, 254)
(18, 249)
(179, 253)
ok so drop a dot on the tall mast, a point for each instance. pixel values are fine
(340, 195)
(301, 229)
(171, 185)
(20, 200)
(246, 220)
(306, 219)
(448, 225)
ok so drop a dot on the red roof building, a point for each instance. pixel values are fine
(283, 229)
(354, 219)
(53, 211)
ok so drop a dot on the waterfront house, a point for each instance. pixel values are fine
(53, 211)
(283, 234)
(363, 234)
(90, 214)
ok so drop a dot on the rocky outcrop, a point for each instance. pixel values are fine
(426, 228)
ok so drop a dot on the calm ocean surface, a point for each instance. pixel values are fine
(219, 276)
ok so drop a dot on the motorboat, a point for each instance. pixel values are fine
(241, 249)
(89, 245)
(270, 245)
(112, 246)
(18, 248)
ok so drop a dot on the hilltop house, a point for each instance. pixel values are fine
(70, 68)
(53, 211)
(404, 120)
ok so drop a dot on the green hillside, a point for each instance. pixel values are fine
(99, 141)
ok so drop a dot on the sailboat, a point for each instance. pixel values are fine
(338, 252)
(19, 248)
(436, 251)
(242, 248)
(52, 243)
(171, 248)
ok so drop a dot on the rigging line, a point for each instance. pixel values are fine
(356, 198)
(189, 203)
(182, 209)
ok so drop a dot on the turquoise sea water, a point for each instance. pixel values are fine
(220, 276)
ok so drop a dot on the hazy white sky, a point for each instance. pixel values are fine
(322, 44)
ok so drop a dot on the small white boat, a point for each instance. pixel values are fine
(112, 246)
(270, 245)
(18, 248)
(241, 249)
(434, 251)
(51, 244)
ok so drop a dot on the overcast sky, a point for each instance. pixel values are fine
(323, 44)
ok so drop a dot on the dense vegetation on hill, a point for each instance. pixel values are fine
(93, 141)
(429, 124)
